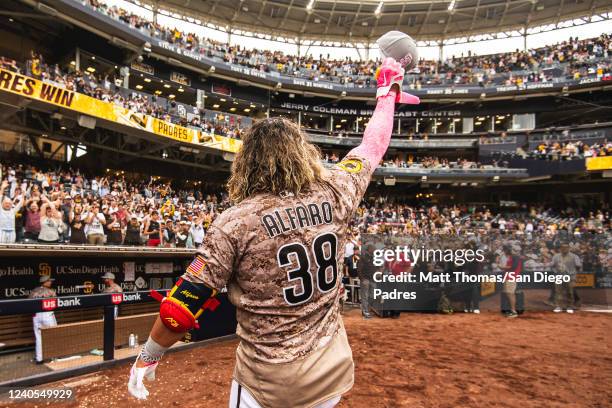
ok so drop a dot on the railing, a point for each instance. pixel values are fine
(86, 14)
(450, 172)
(450, 143)
(92, 327)
(79, 345)
(257, 63)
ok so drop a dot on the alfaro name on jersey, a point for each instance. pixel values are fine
(298, 217)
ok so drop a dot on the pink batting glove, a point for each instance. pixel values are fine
(389, 74)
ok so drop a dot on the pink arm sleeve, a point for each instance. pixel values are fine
(377, 135)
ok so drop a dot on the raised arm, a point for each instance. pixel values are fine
(193, 293)
(3, 187)
(19, 204)
(377, 135)
(43, 208)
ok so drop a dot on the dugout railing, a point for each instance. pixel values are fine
(91, 334)
(85, 338)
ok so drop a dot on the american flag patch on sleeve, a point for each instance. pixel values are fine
(197, 266)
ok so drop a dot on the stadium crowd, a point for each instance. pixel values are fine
(53, 205)
(381, 214)
(554, 150)
(588, 57)
(57, 205)
(579, 58)
(211, 122)
(412, 161)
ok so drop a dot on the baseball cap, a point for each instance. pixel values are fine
(45, 278)
(108, 275)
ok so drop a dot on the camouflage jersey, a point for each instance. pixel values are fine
(280, 258)
(113, 288)
(41, 292)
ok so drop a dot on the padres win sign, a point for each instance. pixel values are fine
(56, 95)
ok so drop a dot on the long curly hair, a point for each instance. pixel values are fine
(275, 158)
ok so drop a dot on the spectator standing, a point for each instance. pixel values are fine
(512, 266)
(184, 239)
(169, 234)
(8, 213)
(95, 222)
(32, 220)
(349, 248)
(115, 235)
(472, 294)
(566, 263)
(152, 230)
(365, 270)
(51, 224)
(76, 222)
(132, 232)
(197, 232)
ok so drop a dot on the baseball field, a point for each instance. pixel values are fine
(419, 360)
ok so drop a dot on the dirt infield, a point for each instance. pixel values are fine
(419, 360)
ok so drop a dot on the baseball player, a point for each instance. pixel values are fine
(42, 319)
(109, 283)
(111, 287)
(278, 251)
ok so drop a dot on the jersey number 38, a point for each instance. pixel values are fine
(323, 251)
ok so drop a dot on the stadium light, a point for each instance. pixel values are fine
(379, 9)
(451, 6)
(310, 6)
